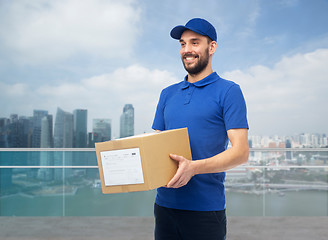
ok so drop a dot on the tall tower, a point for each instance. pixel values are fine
(127, 121)
(13, 136)
(46, 140)
(36, 135)
(102, 130)
(80, 128)
(63, 138)
(4, 123)
(46, 158)
(63, 132)
(289, 154)
(25, 131)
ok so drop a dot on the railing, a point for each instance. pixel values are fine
(65, 182)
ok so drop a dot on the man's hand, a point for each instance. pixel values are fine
(184, 173)
(230, 158)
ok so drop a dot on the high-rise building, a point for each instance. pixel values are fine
(63, 138)
(80, 128)
(5, 173)
(4, 122)
(289, 154)
(46, 158)
(13, 132)
(127, 121)
(102, 130)
(26, 131)
(63, 132)
(46, 132)
(37, 117)
(91, 143)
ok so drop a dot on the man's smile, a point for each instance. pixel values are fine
(190, 58)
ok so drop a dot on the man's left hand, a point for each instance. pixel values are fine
(184, 173)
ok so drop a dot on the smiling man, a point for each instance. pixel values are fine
(192, 205)
(196, 54)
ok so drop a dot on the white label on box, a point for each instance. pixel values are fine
(122, 167)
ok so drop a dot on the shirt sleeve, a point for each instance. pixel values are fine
(159, 122)
(235, 111)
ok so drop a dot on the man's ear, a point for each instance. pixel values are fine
(212, 48)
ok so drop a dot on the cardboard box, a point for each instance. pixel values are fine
(142, 162)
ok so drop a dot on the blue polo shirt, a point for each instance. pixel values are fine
(208, 108)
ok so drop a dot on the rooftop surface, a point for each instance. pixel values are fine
(141, 228)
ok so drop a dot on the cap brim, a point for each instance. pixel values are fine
(177, 32)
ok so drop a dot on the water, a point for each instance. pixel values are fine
(70, 192)
(88, 201)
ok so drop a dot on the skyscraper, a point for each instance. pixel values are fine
(13, 132)
(63, 132)
(102, 130)
(26, 131)
(63, 138)
(289, 154)
(37, 117)
(46, 132)
(80, 128)
(46, 158)
(127, 121)
(4, 122)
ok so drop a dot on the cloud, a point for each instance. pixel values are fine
(289, 97)
(14, 90)
(104, 96)
(41, 31)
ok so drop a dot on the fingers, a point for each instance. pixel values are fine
(175, 181)
(176, 157)
(181, 177)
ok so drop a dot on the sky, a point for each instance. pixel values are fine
(102, 54)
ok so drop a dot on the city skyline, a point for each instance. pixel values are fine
(99, 59)
(102, 131)
(66, 130)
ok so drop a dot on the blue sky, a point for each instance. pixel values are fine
(101, 54)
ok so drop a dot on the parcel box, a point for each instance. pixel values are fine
(142, 162)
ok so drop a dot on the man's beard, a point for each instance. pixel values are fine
(200, 66)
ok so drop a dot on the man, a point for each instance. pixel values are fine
(192, 205)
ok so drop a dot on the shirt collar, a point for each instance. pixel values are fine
(201, 83)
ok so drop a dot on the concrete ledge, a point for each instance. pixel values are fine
(135, 228)
(273, 228)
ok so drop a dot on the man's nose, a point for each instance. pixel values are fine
(187, 48)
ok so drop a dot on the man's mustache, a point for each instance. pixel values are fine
(190, 55)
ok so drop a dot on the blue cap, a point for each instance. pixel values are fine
(197, 25)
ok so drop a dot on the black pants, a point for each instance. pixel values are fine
(174, 224)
